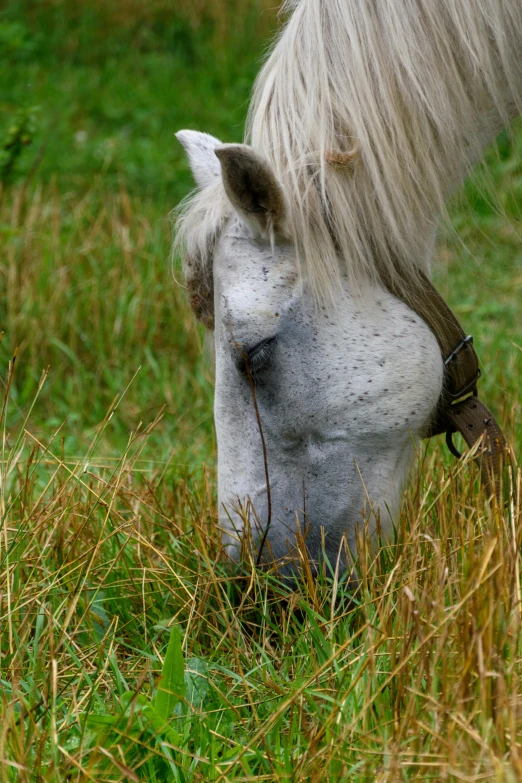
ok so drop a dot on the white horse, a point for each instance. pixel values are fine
(365, 118)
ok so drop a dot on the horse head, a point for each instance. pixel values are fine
(319, 406)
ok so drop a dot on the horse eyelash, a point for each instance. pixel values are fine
(259, 356)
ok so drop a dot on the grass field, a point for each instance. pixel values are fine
(108, 545)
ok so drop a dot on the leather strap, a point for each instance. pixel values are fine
(459, 408)
(474, 420)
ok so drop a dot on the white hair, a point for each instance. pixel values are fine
(372, 112)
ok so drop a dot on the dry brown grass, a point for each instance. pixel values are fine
(88, 292)
(108, 537)
(415, 676)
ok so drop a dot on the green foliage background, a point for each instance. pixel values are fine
(115, 80)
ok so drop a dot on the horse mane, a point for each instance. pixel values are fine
(372, 113)
(411, 92)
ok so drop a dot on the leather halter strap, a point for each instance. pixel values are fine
(459, 409)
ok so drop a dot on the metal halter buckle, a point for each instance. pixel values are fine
(471, 386)
(453, 355)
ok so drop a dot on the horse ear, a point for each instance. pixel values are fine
(200, 151)
(252, 188)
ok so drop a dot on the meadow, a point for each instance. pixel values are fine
(129, 649)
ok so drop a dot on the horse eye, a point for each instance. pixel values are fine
(257, 358)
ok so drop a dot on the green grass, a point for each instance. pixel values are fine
(110, 101)
(107, 487)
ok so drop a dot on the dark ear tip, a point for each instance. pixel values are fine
(224, 151)
(237, 152)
